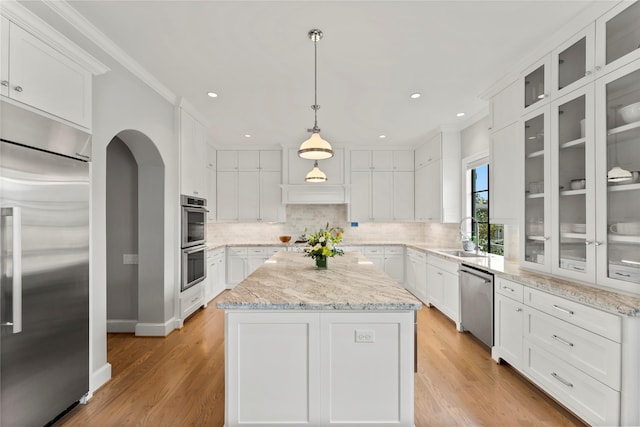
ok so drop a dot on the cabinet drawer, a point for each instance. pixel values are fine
(605, 324)
(443, 264)
(273, 250)
(416, 255)
(593, 354)
(238, 251)
(393, 250)
(373, 250)
(588, 398)
(509, 289)
(190, 301)
(256, 251)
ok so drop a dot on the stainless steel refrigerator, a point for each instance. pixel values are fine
(44, 296)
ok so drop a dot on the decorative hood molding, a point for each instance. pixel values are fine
(314, 194)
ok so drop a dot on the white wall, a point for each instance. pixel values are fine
(474, 139)
(122, 235)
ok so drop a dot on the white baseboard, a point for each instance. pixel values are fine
(156, 329)
(99, 378)
(122, 326)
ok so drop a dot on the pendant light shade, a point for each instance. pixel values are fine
(315, 174)
(315, 148)
(617, 174)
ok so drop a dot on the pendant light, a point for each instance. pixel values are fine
(315, 148)
(315, 174)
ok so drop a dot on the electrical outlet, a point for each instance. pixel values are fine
(130, 258)
(365, 335)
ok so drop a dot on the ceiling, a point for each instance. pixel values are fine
(257, 57)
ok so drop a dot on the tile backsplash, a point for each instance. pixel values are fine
(313, 217)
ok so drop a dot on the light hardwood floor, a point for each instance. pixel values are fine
(179, 381)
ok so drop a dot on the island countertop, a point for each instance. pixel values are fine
(290, 281)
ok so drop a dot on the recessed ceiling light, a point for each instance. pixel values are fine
(415, 95)
(212, 94)
(460, 114)
(383, 136)
(246, 135)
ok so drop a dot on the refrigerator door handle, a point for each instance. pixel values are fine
(16, 293)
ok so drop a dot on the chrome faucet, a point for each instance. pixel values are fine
(464, 235)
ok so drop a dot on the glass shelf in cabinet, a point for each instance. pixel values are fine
(623, 187)
(539, 153)
(623, 128)
(620, 238)
(573, 192)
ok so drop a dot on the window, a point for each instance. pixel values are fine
(489, 237)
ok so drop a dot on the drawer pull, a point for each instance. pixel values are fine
(563, 341)
(562, 380)
(562, 309)
(518, 310)
(622, 274)
(508, 289)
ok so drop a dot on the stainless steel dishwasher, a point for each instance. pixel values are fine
(476, 303)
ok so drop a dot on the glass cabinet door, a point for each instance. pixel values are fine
(573, 188)
(535, 82)
(619, 36)
(573, 61)
(619, 162)
(536, 188)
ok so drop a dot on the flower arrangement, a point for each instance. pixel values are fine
(323, 244)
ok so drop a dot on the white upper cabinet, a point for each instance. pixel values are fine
(503, 108)
(618, 37)
(573, 62)
(193, 156)
(36, 75)
(248, 185)
(381, 185)
(505, 174)
(535, 84)
(437, 182)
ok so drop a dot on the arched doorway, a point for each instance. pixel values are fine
(135, 233)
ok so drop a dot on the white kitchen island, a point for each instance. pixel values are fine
(307, 347)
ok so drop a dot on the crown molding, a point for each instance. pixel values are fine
(474, 118)
(30, 22)
(91, 32)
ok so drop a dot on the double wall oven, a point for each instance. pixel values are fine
(193, 238)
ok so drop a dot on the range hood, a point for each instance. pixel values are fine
(314, 194)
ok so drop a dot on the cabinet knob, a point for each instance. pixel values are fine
(4, 83)
(587, 73)
(598, 68)
(596, 243)
(18, 88)
(518, 310)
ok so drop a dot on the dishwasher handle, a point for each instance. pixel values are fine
(486, 278)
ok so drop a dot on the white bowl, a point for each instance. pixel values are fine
(630, 113)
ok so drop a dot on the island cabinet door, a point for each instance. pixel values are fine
(367, 369)
(272, 369)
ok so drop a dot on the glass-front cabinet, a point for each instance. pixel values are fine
(535, 248)
(618, 40)
(618, 171)
(535, 84)
(572, 182)
(572, 62)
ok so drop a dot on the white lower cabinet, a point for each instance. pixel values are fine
(508, 322)
(416, 274)
(394, 262)
(216, 279)
(443, 289)
(242, 261)
(315, 370)
(191, 300)
(573, 352)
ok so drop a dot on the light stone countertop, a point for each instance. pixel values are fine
(611, 301)
(290, 281)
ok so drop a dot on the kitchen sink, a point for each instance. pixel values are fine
(463, 254)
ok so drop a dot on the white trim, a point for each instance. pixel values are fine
(475, 118)
(119, 326)
(90, 31)
(191, 110)
(27, 20)
(99, 378)
(156, 329)
(467, 164)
